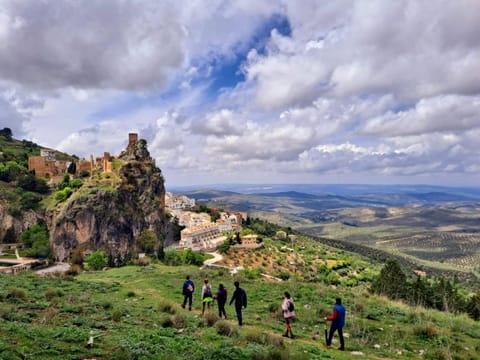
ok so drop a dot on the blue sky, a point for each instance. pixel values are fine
(252, 92)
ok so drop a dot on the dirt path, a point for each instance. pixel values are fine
(59, 267)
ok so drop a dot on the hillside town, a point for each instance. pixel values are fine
(200, 232)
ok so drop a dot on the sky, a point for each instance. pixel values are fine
(251, 91)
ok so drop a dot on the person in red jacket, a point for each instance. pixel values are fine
(338, 322)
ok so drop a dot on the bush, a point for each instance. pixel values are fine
(52, 293)
(166, 321)
(284, 276)
(425, 332)
(224, 328)
(166, 306)
(64, 194)
(179, 321)
(16, 294)
(96, 260)
(144, 261)
(211, 319)
(74, 270)
(117, 315)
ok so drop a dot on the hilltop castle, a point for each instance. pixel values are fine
(47, 166)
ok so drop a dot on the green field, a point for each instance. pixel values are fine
(133, 312)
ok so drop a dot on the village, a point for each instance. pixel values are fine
(200, 232)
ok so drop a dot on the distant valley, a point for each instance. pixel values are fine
(430, 226)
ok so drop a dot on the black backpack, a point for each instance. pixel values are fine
(291, 306)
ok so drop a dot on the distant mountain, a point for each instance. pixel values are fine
(289, 194)
(436, 196)
(208, 194)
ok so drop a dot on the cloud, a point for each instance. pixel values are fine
(95, 44)
(378, 48)
(437, 114)
(220, 123)
(14, 111)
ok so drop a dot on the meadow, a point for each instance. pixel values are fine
(134, 312)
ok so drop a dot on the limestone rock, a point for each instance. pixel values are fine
(112, 219)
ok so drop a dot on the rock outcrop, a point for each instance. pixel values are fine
(111, 218)
(16, 224)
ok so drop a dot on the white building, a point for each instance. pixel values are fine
(178, 202)
(204, 237)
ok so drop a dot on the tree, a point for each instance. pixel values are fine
(147, 241)
(391, 281)
(473, 306)
(72, 168)
(96, 260)
(6, 133)
(35, 239)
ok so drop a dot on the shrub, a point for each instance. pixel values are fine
(224, 328)
(74, 270)
(16, 293)
(117, 315)
(52, 293)
(211, 319)
(255, 336)
(179, 321)
(76, 256)
(166, 306)
(284, 276)
(63, 194)
(96, 260)
(425, 332)
(131, 294)
(144, 261)
(166, 321)
(253, 273)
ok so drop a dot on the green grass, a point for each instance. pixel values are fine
(135, 313)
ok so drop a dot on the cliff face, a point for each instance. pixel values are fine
(17, 224)
(112, 218)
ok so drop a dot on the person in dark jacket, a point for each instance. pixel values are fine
(240, 298)
(221, 297)
(188, 289)
(338, 322)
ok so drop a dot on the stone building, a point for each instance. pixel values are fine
(46, 166)
(204, 237)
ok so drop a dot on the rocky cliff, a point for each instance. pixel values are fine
(16, 224)
(111, 217)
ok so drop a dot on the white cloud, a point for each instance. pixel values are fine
(97, 44)
(409, 48)
(374, 90)
(441, 113)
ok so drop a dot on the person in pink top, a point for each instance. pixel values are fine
(288, 309)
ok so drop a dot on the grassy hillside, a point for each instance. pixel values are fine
(134, 313)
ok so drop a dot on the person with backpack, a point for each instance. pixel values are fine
(188, 289)
(288, 309)
(338, 322)
(221, 297)
(207, 296)
(240, 298)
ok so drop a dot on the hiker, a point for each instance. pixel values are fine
(206, 295)
(240, 298)
(221, 297)
(288, 309)
(338, 322)
(188, 289)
